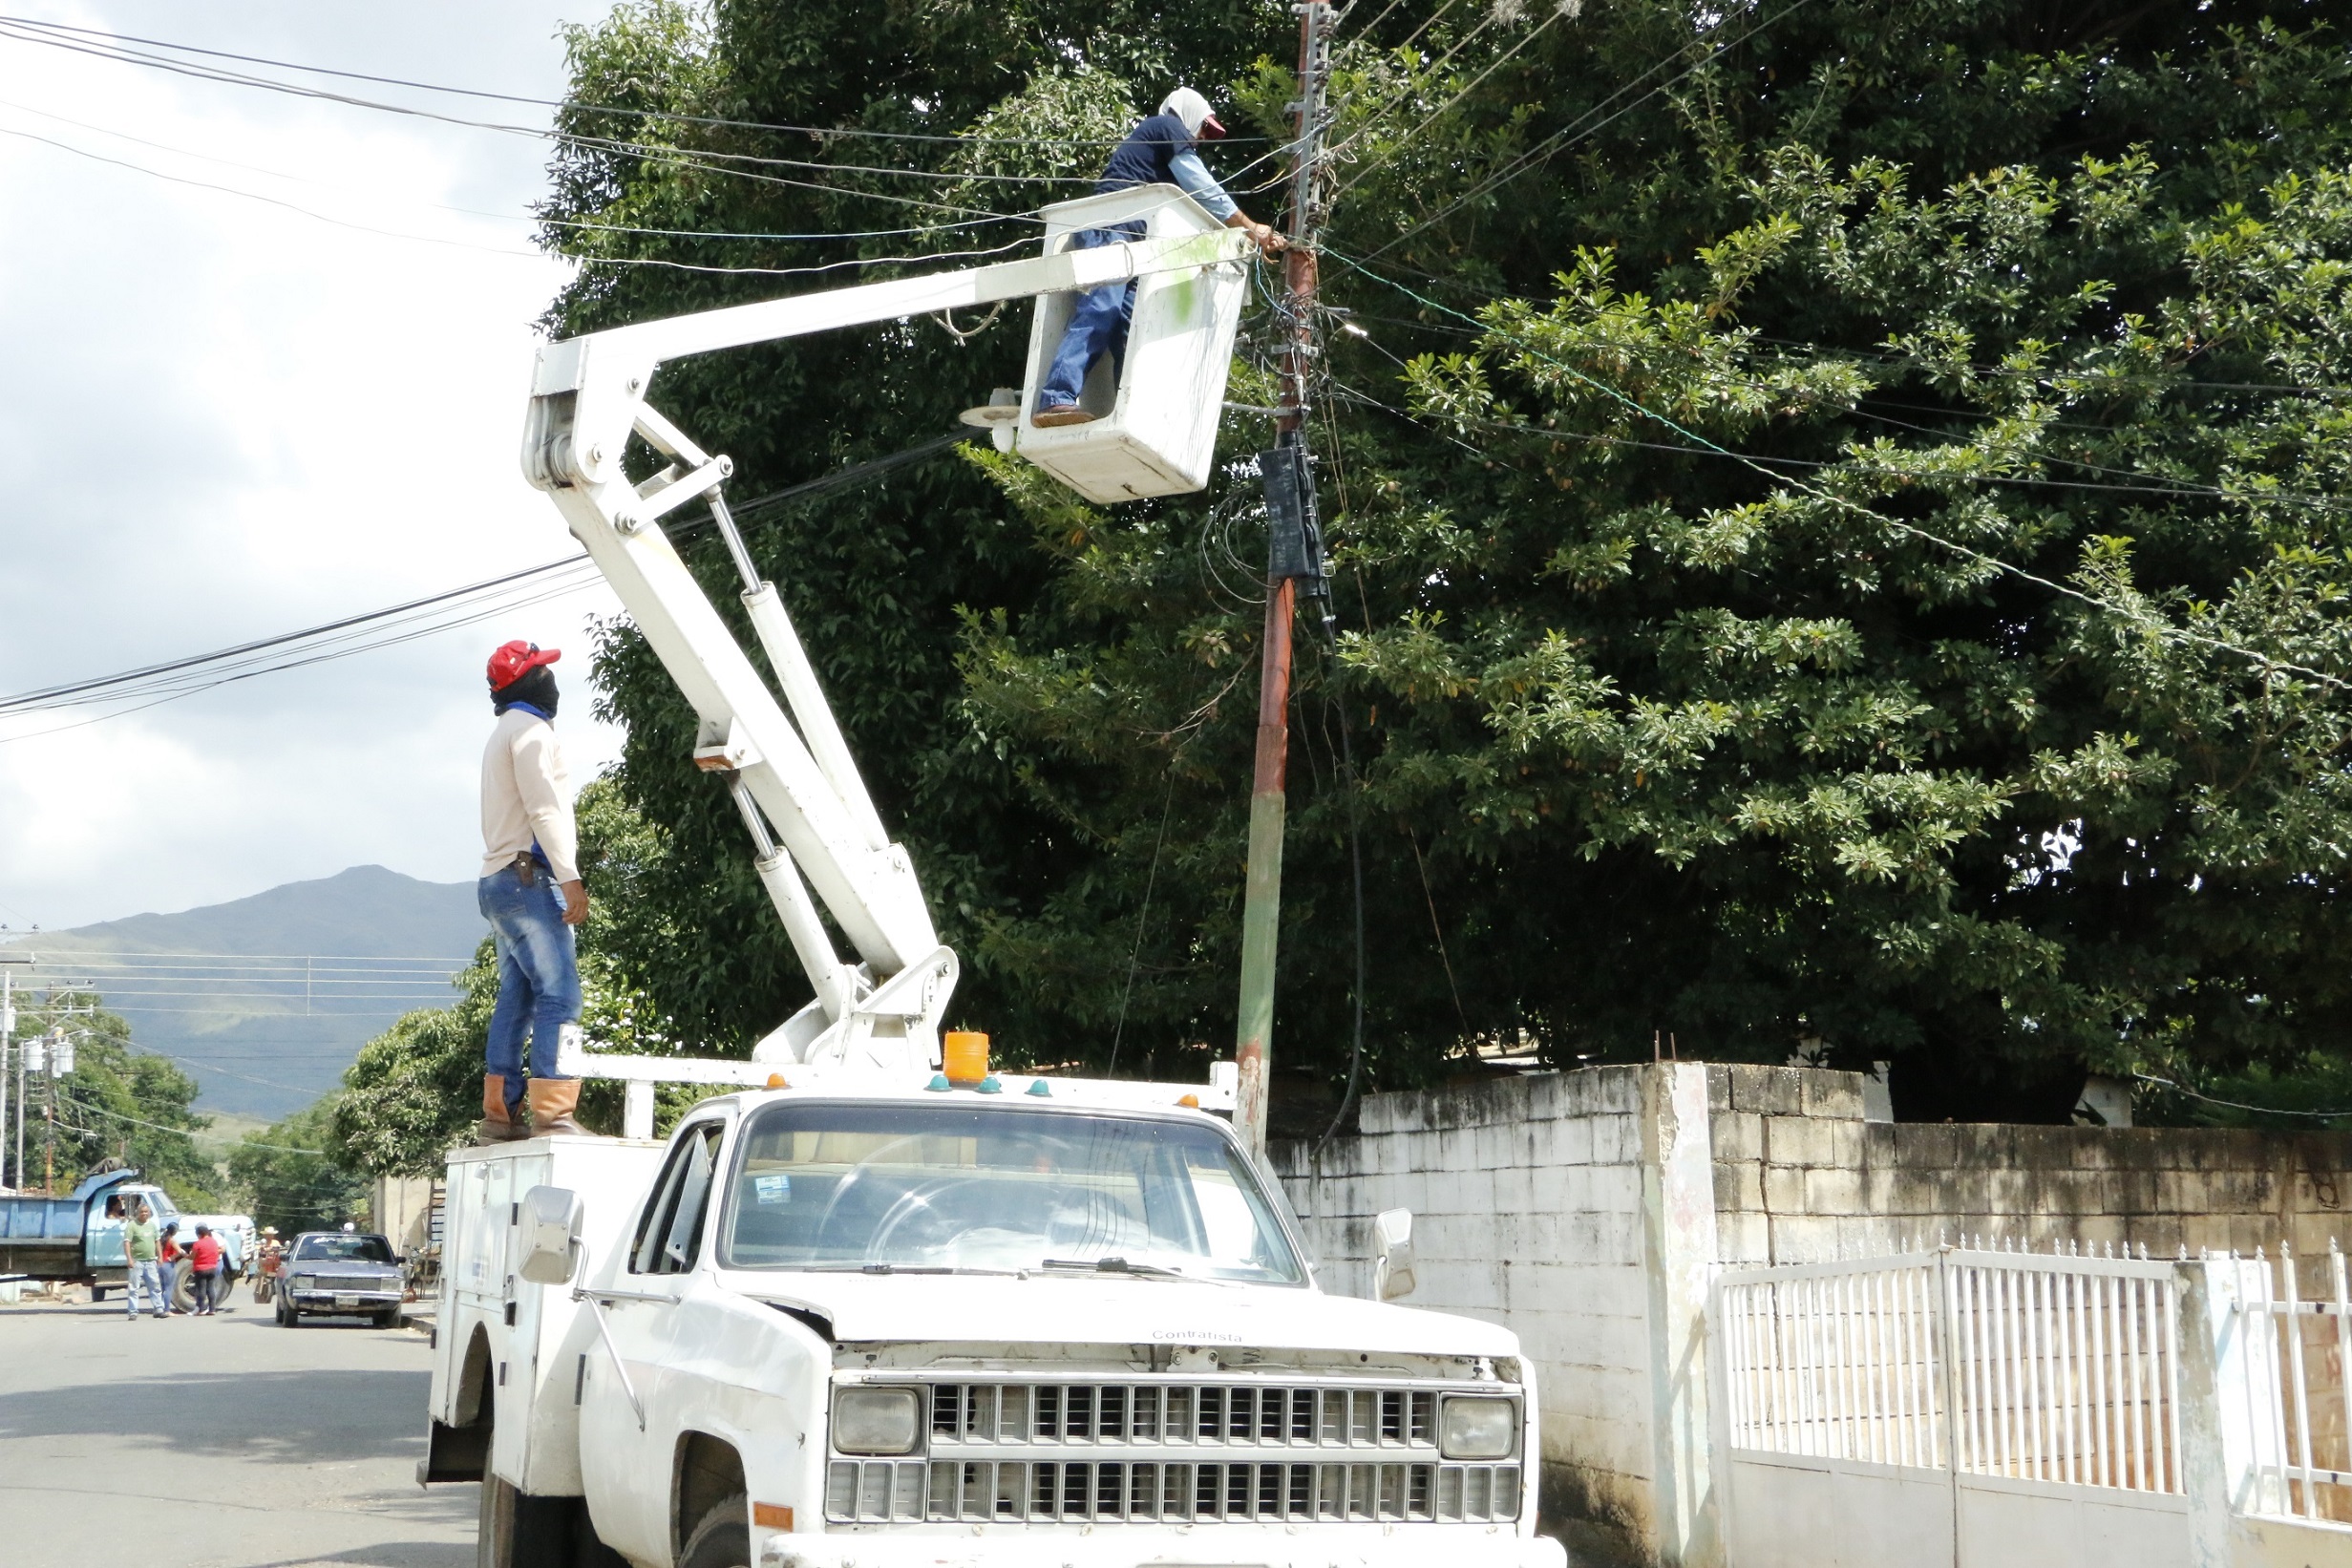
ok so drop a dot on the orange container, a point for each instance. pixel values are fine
(965, 1055)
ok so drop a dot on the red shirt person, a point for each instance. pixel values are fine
(204, 1260)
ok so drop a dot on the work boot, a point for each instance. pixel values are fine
(552, 1103)
(1061, 413)
(498, 1127)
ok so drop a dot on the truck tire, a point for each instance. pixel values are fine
(518, 1529)
(724, 1538)
(183, 1288)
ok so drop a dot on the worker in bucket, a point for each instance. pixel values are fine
(532, 894)
(1165, 149)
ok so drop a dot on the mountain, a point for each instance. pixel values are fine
(266, 1000)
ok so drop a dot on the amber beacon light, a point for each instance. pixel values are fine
(965, 1054)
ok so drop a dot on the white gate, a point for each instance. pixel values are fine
(1966, 1405)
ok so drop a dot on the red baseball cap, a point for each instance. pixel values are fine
(515, 659)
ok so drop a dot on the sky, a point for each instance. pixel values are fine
(226, 419)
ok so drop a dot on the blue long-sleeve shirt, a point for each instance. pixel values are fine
(1160, 151)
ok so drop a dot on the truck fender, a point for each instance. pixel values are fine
(706, 1472)
(459, 1450)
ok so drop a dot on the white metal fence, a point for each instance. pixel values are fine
(1975, 1406)
(2062, 1368)
(2298, 1402)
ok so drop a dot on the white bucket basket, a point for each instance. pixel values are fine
(1155, 433)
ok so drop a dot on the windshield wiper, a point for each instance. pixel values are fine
(894, 1268)
(1114, 1266)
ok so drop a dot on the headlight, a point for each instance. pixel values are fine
(1478, 1429)
(875, 1420)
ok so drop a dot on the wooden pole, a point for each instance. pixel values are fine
(1262, 887)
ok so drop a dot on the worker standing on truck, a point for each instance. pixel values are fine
(532, 894)
(1163, 150)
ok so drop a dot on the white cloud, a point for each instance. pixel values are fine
(228, 419)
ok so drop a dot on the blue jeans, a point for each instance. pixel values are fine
(1097, 327)
(205, 1285)
(146, 1276)
(538, 976)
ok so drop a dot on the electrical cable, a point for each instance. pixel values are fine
(1578, 129)
(583, 226)
(688, 159)
(239, 657)
(817, 132)
(705, 159)
(1467, 88)
(1351, 786)
(2235, 1105)
(1134, 959)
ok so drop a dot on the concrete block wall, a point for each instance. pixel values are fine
(1527, 1201)
(1585, 1209)
(1800, 1176)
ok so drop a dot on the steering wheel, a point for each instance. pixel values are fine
(912, 1204)
(842, 1188)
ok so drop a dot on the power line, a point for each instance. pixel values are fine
(820, 133)
(183, 677)
(1584, 126)
(540, 219)
(686, 158)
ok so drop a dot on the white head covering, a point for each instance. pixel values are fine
(1190, 107)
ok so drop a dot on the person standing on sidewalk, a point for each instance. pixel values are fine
(532, 894)
(204, 1271)
(143, 1267)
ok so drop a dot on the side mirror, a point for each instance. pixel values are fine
(550, 1238)
(1392, 1254)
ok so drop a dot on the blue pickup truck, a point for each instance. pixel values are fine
(78, 1239)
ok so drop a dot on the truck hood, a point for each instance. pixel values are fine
(1086, 1310)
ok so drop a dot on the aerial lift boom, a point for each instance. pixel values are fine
(818, 837)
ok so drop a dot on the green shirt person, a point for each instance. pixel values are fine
(143, 1264)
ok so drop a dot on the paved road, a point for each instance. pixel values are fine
(224, 1442)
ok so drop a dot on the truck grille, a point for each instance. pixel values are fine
(1095, 1453)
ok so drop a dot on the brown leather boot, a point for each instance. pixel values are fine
(552, 1103)
(498, 1127)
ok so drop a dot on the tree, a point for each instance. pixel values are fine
(116, 1105)
(1834, 517)
(290, 1173)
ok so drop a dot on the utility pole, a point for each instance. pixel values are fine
(1294, 557)
(7, 1032)
(7, 1036)
(48, 1114)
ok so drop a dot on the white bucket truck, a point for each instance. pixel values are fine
(873, 1304)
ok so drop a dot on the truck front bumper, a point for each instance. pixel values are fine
(1217, 1547)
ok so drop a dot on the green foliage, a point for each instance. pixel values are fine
(416, 1089)
(292, 1175)
(116, 1105)
(1835, 524)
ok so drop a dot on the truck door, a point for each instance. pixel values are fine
(627, 1469)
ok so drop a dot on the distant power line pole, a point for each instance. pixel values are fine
(1294, 555)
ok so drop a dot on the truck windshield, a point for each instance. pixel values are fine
(819, 1186)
